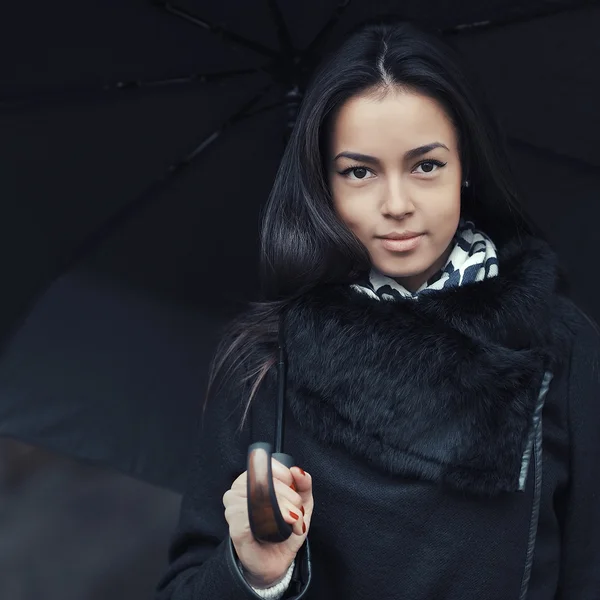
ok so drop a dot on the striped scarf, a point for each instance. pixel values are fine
(473, 258)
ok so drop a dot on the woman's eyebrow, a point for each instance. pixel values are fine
(410, 154)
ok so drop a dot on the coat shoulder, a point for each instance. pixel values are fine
(583, 368)
(585, 346)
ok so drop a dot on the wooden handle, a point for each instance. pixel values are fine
(266, 522)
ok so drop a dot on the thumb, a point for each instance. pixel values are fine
(303, 481)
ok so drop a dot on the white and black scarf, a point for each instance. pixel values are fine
(473, 258)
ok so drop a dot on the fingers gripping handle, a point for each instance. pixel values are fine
(266, 522)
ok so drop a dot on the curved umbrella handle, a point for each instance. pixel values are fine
(266, 522)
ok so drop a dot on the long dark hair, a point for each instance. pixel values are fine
(303, 243)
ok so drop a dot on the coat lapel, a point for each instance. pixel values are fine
(443, 389)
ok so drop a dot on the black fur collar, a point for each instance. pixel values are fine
(443, 388)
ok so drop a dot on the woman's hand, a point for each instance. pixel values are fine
(267, 563)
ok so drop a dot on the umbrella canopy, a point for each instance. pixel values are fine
(140, 141)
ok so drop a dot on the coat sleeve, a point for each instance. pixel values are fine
(580, 563)
(201, 556)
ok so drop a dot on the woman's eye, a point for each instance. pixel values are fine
(429, 166)
(358, 172)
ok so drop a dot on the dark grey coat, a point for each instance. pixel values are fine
(442, 469)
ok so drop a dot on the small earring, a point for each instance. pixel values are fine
(466, 183)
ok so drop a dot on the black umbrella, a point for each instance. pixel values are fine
(140, 141)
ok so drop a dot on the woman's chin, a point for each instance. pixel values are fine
(398, 268)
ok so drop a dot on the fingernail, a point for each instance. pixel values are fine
(302, 471)
(293, 486)
(303, 527)
(302, 509)
(294, 515)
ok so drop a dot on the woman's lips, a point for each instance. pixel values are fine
(401, 245)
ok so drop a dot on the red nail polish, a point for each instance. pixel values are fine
(293, 486)
(303, 527)
(294, 515)
(302, 509)
(302, 471)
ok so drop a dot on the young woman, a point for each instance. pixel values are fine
(442, 392)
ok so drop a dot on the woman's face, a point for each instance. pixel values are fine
(407, 181)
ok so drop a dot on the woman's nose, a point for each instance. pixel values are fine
(397, 202)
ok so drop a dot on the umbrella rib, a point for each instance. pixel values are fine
(285, 41)
(67, 94)
(193, 78)
(263, 109)
(218, 30)
(241, 114)
(561, 157)
(324, 32)
(522, 15)
(129, 210)
(66, 262)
